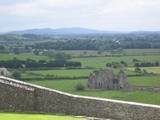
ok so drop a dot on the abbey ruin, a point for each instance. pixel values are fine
(106, 79)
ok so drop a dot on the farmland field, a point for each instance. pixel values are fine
(81, 53)
(69, 86)
(64, 72)
(56, 74)
(132, 52)
(20, 116)
(100, 62)
(153, 81)
(64, 85)
(93, 61)
(23, 56)
(155, 70)
(152, 69)
(142, 52)
(66, 79)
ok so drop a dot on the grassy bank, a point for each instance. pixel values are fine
(18, 116)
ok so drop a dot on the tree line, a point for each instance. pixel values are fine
(147, 64)
(29, 63)
(29, 42)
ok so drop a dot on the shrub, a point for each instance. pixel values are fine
(80, 87)
(16, 75)
(135, 60)
(145, 71)
(137, 69)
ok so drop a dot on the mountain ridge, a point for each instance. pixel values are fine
(73, 31)
(58, 31)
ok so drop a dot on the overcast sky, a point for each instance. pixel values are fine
(111, 15)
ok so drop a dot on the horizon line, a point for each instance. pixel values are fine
(89, 28)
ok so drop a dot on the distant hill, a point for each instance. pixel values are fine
(60, 31)
(75, 31)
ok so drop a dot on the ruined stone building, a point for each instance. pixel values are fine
(106, 79)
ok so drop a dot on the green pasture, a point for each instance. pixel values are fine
(20, 116)
(22, 56)
(152, 81)
(131, 52)
(100, 62)
(155, 70)
(65, 73)
(29, 75)
(69, 85)
(135, 96)
(81, 53)
(152, 69)
(94, 62)
(61, 73)
(63, 85)
(141, 51)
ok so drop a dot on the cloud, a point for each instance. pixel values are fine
(47, 7)
(101, 14)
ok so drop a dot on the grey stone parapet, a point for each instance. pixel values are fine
(18, 96)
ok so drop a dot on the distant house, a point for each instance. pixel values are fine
(106, 79)
(4, 72)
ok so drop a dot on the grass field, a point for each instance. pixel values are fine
(63, 85)
(152, 69)
(56, 74)
(142, 51)
(69, 86)
(125, 51)
(78, 53)
(100, 62)
(95, 62)
(153, 81)
(18, 116)
(22, 56)
(64, 72)
(155, 70)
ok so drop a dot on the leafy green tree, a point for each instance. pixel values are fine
(36, 52)
(16, 50)
(137, 69)
(61, 57)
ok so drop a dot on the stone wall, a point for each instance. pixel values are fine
(24, 97)
(145, 88)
